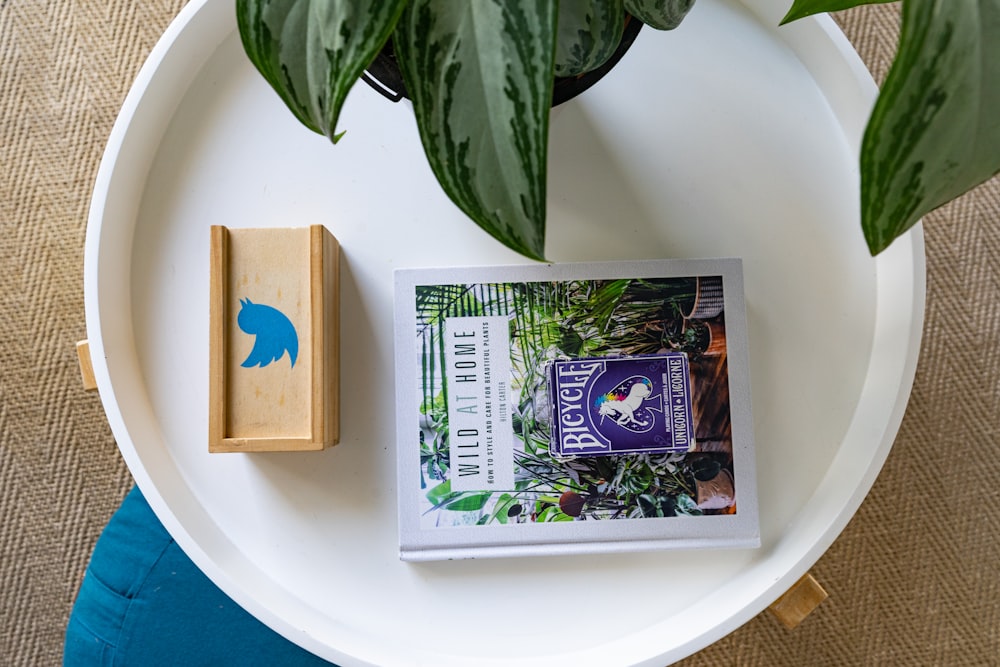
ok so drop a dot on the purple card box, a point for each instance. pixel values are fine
(621, 405)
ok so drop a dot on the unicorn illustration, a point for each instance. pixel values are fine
(273, 330)
(623, 406)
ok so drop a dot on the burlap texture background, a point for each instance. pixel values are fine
(914, 579)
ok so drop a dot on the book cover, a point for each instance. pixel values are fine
(573, 408)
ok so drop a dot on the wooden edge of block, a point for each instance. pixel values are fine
(324, 259)
(234, 445)
(86, 365)
(331, 340)
(219, 270)
(316, 293)
(798, 601)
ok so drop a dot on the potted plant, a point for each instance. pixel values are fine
(698, 338)
(480, 74)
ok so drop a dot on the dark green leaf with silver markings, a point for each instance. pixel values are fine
(803, 8)
(589, 32)
(659, 14)
(313, 51)
(480, 78)
(935, 130)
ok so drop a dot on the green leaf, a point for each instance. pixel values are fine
(935, 130)
(502, 508)
(480, 78)
(637, 480)
(459, 501)
(552, 514)
(659, 14)
(649, 505)
(686, 506)
(803, 8)
(312, 51)
(668, 506)
(589, 32)
(469, 501)
(440, 493)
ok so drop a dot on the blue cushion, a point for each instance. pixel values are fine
(143, 602)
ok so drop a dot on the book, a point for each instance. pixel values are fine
(557, 409)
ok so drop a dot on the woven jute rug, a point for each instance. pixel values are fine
(913, 580)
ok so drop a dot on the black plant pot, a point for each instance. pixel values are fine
(384, 76)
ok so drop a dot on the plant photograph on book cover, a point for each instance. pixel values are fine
(547, 321)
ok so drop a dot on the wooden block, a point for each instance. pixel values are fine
(798, 601)
(274, 340)
(86, 365)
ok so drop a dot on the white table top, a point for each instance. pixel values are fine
(736, 138)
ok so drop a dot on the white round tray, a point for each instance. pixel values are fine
(726, 137)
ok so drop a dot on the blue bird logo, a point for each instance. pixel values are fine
(273, 330)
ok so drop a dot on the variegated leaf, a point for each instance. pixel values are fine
(659, 14)
(935, 130)
(588, 34)
(480, 78)
(802, 8)
(313, 51)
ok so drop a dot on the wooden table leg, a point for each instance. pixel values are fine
(86, 366)
(798, 601)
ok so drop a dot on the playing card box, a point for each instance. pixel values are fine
(621, 405)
